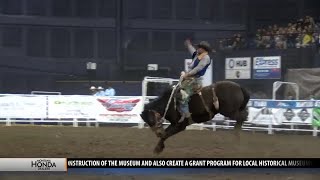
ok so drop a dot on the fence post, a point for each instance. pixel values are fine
(75, 122)
(315, 131)
(88, 124)
(8, 122)
(97, 123)
(60, 123)
(201, 126)
(214, 128)
(141, 125)
(270, 129)
(32, 121)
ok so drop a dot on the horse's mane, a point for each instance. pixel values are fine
(160, 102)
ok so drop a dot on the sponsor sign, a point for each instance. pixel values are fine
(277, 116)
(238, 68)
(281, 111)
(16, 106)
(316, 117)
(263, 116)
(72, 107)
(33, 164)
(268, 67)
(120, 109)
(295, 115)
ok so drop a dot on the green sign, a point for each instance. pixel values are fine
(316, 117)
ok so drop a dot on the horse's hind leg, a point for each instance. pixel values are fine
(171, 130)
(240, 117)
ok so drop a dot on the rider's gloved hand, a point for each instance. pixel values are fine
(187, 42)
(183, 75)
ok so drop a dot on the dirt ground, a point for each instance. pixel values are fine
(108, 142)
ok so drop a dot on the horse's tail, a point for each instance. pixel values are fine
(246, 97)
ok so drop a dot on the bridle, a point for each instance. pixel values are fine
(159, 119)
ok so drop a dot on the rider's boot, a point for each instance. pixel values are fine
(184, 109)
(188, 116)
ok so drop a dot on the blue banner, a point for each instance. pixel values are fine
(287, 104)
(281, 104)
(267, 74)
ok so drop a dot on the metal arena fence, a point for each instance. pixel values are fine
(271, 116)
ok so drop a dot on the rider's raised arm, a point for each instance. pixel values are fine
(191, 49)
(204, 61)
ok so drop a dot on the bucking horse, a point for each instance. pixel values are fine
(225, 97)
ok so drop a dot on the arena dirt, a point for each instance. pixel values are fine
(53, 141)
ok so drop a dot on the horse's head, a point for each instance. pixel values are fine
(153, 112)
(151, 117)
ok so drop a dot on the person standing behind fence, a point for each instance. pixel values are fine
(109, 90)
(100, 92)
(93, 90)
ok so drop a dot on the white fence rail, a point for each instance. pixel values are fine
(264, 115)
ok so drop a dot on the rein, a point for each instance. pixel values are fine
(170, 98)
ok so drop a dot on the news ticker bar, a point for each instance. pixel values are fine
(63, 164)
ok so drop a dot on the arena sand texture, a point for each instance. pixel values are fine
(108, 142)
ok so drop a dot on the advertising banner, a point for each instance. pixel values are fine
(72, 107)
(266, 112)
(19, 106)
(120, 109)
(265, 116)
(238, 68)
(316, 115)
(268, 67)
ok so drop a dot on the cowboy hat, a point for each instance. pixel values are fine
(204, 45)
(100, 88)
(92, 88)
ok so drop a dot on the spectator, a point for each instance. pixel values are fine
(300, 23)
(293, 35)
(267, 41)
(258, 41)
(312, 97)
(100, 92)
(109, 90)
(299, 41)
(93, 90)
(222, 44)
(280, 41)
(290, 97)
(307, 38)
(275, 28)
(291, 38)
(237, 42)
(259, 32)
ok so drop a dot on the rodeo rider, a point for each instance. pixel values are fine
(191, 80)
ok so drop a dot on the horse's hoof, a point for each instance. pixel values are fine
(158, 149)
(160, 133)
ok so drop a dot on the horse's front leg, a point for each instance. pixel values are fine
(171, 130)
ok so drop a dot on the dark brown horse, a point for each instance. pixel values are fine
(232, 100)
